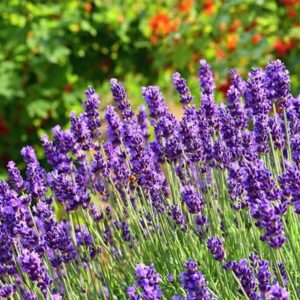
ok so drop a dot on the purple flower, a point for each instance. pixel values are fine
(261, 133)
(171, 277)
(80, 130)
(92, 114)
(100, 165)
(181, 87)
(120, 98)
(201, 225)
(173, 148)
(295, 147)
(236, 186)
(146, 284)
(206, 78)
(7, 290)
(207, 84)
(236, 107)
(72, 193)
(33, 266)
(165, 126)
(155, 101)
(114, 125)
(125, 231)
(58, 240)
(178, 217)
(143, 121)
(237, 81)
(194, 282)
(264, 276)
(245, 275)
(290, 186)
(277, 293)
(14, 176)
(29, 295)
(278, 83)
(36, 176)
(191, 198)
(276, 133)
(221, 154)
(191, 135)
(261, 192)
(256, 94)
(29, 155)
(215, 245)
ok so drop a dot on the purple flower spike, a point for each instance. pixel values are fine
(33, 266)
(277, 293)
(193, 201)
(14, 176)
(92, 114)
(181, 87)
(178, 217)
(143, 121)
(147, 281)
(237, 81)
(29, 295)
(236, 108)
(256, 95)
(114, 125)
(208, 105)
(120, 98)
(215, 246)
(7, 290)
(194, 282)
(80, 130)
(206, 78)
(155, 101)
(278, 83)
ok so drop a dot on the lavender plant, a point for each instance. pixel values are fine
(206, 207)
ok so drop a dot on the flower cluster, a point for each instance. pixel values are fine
(227, 176)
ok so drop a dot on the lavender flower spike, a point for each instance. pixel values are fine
(155, 101)
(147, 281)
(92, 114)
(193, 201)
(215, 246)
(120, 98)
(277, 293)
(181, 87)
(194, 282)
(206, 78)
(14, 176)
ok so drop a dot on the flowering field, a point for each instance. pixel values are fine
(152, 207)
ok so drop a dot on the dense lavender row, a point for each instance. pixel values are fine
(152, 207)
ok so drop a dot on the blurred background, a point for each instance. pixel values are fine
(50, 51)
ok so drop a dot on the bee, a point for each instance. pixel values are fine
(132, 181)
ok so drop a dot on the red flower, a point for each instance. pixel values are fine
(161, 25)
(283, 47)
(185, 6)
(256, 38)
(208, 7)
